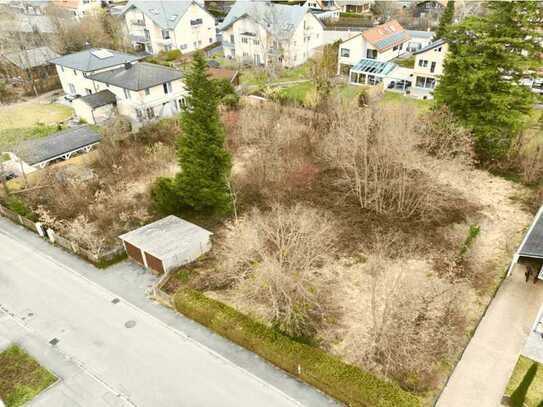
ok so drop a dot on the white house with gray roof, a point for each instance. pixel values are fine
(137, 90)
(74, 69)
(143, 91)
(264, 32)
(164, 25)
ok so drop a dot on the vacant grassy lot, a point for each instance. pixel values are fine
(524, 387)
(21, 377)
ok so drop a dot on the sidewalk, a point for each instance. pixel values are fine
(480, 377)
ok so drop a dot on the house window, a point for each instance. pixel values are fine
(211, 40)
(423, 63)
(371, 53)
(183, 46)
(433, 67)
(147, 91)
(196, 21)
(167, 87)
(426, 83)
(195, 44)
(150, 112)
(256, 42)
(182, 103)
(126, 93)
(395, 48)
(245, 40)
(232, 38)
(72, 88)
(139, 113)
(345, 52)
(165, 34)
(88, 91)
(167, 47)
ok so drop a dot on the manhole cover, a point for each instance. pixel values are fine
(130, 324)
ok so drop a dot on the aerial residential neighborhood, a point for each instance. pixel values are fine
(271, 203)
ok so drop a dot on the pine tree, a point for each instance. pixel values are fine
(205, 164)
(445, 21)
(202, 183)
(480, 85)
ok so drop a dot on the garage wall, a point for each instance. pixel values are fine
(134, 253)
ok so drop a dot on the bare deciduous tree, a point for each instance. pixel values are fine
(279, 260)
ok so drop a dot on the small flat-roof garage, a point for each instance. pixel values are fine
(531, 248)
(166, 244)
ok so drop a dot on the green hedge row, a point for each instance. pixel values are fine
(344, 382)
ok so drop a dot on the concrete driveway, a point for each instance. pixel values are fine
(480, 377)
(117, 352)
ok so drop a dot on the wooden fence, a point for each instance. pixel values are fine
(53, 237)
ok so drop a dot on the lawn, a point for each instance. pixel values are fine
(259, 76)
(420, 104)
(523, 385)
(21, 377)
(28, 120)
(28, 114)
(298, 92)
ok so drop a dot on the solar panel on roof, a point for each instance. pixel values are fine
(101, 53)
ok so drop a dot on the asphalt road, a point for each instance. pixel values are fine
(132, 356)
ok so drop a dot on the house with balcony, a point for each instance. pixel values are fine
(263, 33)
(161, 25)
(429, 62)
(382, 43)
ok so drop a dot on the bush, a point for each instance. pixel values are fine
(19, 207)
(223, 87)
(164, 197)
(231, 102)
(171, 55)
(345, 382)
(280, 261)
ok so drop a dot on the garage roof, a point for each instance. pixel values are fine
(532, 246)
(166, 237)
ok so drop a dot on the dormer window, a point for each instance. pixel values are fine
(166, 34)
(196, 21)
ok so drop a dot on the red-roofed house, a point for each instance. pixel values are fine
(382, 43)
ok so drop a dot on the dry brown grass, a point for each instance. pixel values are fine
(402, 192)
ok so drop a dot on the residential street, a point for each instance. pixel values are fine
(128, 355)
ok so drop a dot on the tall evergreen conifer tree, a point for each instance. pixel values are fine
(202, 183)
(480, 85)
(445, 21)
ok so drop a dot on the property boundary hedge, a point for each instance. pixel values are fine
(340, 380)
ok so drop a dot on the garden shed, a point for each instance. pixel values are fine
(166, 244)
(531, 248)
